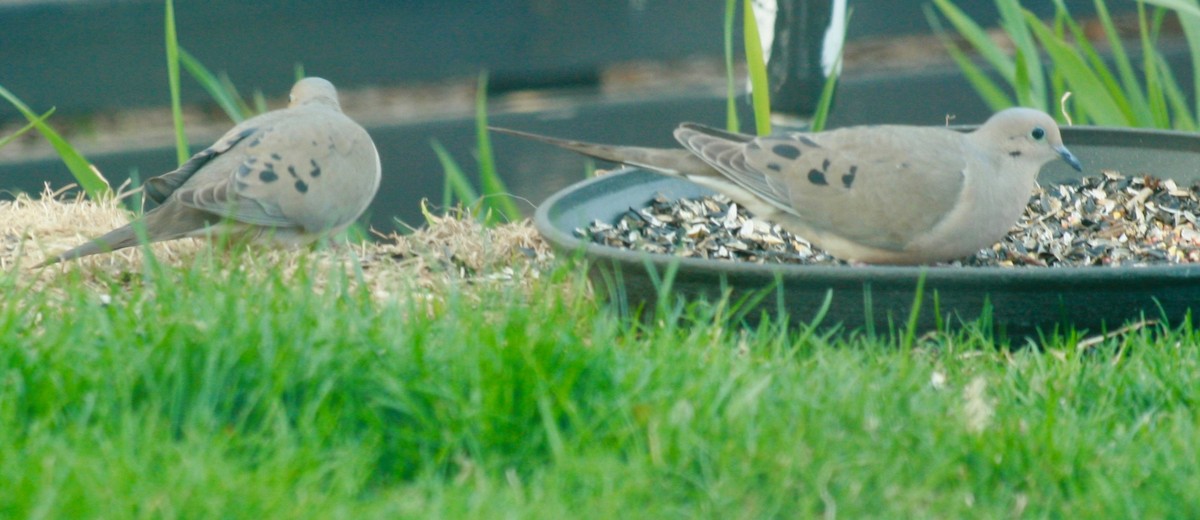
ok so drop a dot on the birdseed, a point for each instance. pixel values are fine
(1105, 220)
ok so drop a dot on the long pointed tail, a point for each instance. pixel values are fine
(167, 222)
(676, 162)
(119, 238)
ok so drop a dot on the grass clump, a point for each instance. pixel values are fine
(285, 384)
(1051, 59)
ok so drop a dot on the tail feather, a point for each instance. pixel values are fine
(119, 238)
(715, 132)
(166, 222)
(664, 160)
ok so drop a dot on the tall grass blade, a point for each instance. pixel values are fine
(1177, 101)
(457, 186)
(181, 144)
(990, 91)
(1022, 83)
(731, 116)
(1157, 99)
(228, 85)
(978, 38)
(495, 193)
(219, 90)
(760, 88)
(1094, 100)
(1182, 7)
(1131, 100)
(825, 102)
(914, 314)
(94, 184)
(260, 102)
(32, 124)
(1013, 22)
(1133, 90)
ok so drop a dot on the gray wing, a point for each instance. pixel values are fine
(727, 152)
(880, 186)
(288, 173)
(160, 187)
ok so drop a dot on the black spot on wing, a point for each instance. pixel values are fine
(276, 157)
(301, 186)
(787, 151)
(808, 142)
(268, 176)
(255, 142)
(848, 178)
(775, 167)
(292, 172)
(817, 177)
(1014, 153)
(244, 169)
(316, 171)
(825, 165)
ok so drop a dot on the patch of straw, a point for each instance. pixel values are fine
(450, 251)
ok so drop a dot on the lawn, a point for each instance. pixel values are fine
(460, 372)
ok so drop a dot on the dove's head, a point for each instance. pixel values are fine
(1028, 135)
(313, 90)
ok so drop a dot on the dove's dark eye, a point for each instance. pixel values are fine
(1038, 133)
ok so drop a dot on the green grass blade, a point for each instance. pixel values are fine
(1157, 99)
(1094, 99)
(1189, 19)
(181, 144)
(1191, 31)
(495, 193)
(298, 71)
(216, 88)
(1182, 7)
(760, 88)
(32, 124)
(1013, 21)
(978, 38)
(1064, 23)
(1022, 83)
(914, 314)
(731, 115)
(242, 105)
(260, 102)
(825, 102)
(989, 91)
(458, 187)
(1132, 88)
(1132, 101)
(1182, 118)
(94, 184)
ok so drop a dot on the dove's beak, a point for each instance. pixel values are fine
(1068, 157)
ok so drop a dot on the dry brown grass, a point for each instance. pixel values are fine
(448, 251)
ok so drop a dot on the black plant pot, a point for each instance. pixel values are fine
(1020, 301)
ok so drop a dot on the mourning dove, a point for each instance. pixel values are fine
(885, 194)
(286, 177)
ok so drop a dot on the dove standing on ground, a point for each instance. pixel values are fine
(286, 177)
(887, 194)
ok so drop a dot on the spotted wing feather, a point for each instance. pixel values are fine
(863, 184)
